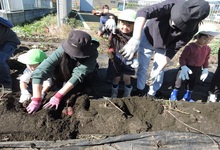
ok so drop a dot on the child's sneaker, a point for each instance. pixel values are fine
(173, 95)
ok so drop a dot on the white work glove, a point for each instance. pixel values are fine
(204, 74)
(130, 48)
(110, 24)
(135, 63)
(25, 96)
(153, 77)
(43, 95)
(184, 73)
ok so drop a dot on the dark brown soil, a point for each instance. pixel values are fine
(94, 115)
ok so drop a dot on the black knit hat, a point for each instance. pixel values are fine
(188, 14)
(79, 45)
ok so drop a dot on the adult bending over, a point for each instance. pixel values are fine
(170, 25)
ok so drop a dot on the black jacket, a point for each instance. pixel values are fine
(158, 30)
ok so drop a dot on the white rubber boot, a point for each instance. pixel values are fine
(114, 92)
(127, 91)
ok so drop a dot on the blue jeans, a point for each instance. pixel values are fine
(102, 22)
(145, 53)
(6, 51)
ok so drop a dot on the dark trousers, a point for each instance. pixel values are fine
(215, 83)
(102, 21)
(196, 72)
(6, 51)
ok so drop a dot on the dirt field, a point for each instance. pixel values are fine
(94, 115)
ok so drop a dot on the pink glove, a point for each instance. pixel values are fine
(54, 101)
(34, 105)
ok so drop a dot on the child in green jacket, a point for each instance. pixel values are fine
(76, 58)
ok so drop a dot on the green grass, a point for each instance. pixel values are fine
(37, 28)
(215, 45)
(91, 20)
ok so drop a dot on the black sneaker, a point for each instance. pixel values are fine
(141, 93)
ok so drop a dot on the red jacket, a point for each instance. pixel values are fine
(194, 55)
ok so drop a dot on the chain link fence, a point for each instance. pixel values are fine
(214, 16)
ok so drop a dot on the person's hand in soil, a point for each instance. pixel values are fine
(54, 101)
(25, 96)
(34, 105)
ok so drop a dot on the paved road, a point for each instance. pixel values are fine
(91, 20)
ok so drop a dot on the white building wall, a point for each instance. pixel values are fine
(28, 4)
(20, 5)
(64, 7)
(11, 5)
